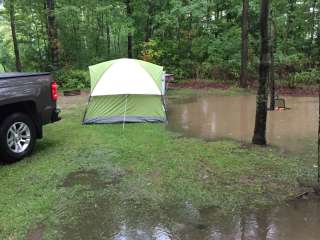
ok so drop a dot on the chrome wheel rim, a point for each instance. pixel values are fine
(18, 137)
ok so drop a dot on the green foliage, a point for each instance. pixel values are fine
(191, 39)
(224, 54)
(150, 51)
(308, 77)
(72, 79)
(297, 60)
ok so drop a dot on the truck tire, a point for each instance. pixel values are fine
(17, 137)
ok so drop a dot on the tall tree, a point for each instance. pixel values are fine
(318, 131)
(148, 27)
(130, 38)
(52, 35)
(290, 25)
(259, 136)
(14, 35)
(191, 39)
(273, 48)
(313, 23)
(108, 41)
(244, 46)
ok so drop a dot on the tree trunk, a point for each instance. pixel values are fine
(52, 35)
(314, 5)
(209, 14)
(14, 36)
(38, 37)
(148, 28)
(273, 47)
(130, 52)
(130, 38)
(217, 12)
(190, 37)
(272, 83)
(99, 20)
(244, 47)
(289, 27)
(259, 136)
(108, 41)
(318, 43)
(119, 40)
(319, 134)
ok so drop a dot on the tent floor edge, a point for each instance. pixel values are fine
(129, 119)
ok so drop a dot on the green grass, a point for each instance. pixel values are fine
(152, 167)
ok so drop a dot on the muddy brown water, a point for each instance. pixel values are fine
(216, 117)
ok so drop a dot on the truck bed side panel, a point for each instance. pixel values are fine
(34, 88)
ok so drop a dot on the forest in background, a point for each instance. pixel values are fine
(203, 39)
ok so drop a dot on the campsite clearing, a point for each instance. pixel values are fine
(143, 167)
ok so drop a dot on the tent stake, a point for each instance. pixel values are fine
(125, 110)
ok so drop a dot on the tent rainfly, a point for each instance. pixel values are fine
(126, 90)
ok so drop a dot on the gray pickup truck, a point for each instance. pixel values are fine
(27, 102)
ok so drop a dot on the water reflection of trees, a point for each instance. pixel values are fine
(108, 220)
(213, 117)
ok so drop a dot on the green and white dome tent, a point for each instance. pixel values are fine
(126, 90)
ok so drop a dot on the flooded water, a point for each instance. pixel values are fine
(104, 217)
(208, 117)
(102, 220)
(214, 117)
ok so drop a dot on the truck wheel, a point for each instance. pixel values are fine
(17, 137)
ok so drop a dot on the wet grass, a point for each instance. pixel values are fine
(141, 167)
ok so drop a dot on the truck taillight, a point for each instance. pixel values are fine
(54, 91)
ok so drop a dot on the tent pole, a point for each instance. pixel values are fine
(124, 114)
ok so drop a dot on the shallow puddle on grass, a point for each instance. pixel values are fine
(36, 233)
(214, 117)
(103, 220)
(208, 117)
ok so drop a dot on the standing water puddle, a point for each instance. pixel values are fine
(208, 117)
(295, 221)
(214, 117)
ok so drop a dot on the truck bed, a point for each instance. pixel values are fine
(21, 74)
(20, 88)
